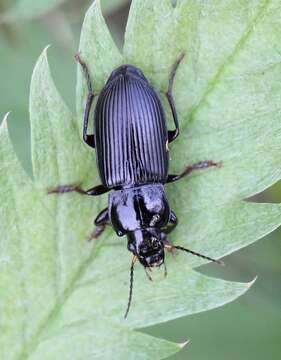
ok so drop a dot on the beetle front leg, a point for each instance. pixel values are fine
(173, 222)
(189, 169)
(173, 134)
(101, 221)
(62, 189)
(89, 139)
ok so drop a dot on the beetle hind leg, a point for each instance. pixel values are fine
(173, 134)
(197, 166)
(89, 139)
(63, 189)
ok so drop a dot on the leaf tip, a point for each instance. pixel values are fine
(41, 65)
(249, 284)
(4, 124)
(43, 56)
(183, 344)
(94, 7)
(45, 51)
(43, 59)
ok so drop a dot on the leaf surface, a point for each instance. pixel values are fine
(65, 297)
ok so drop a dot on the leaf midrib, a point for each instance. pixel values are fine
(31, 346)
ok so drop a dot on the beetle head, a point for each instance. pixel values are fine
(147, 245)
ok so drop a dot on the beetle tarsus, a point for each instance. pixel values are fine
(86, 72)
(100, 221)
(63, 189)
(96, 232)
(197, 166)
(174, 71)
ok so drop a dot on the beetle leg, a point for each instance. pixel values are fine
(172, 134)
(101, 221)
(61, 189)
(173, 222)
(86, 73)
(189, 169)
(97, 190)
(89, 139)
(168, 245)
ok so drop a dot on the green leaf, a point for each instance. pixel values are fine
(65, 297)
(28, 9)
(227, 90)
(98, 50)
(34, 268)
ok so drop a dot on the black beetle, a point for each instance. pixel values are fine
(131, 141)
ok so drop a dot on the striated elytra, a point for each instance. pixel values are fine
(131, 142)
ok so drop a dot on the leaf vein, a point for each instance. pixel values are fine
(35, 341)
(211, 85)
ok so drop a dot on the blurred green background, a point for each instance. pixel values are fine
(249, 328)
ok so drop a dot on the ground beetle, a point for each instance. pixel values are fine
(131, 141)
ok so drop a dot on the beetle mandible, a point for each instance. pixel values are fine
(131, 141)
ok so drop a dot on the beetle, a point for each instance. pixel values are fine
(131, 142)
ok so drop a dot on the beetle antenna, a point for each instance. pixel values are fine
(165, 270)
(220, 262)
(131, 286)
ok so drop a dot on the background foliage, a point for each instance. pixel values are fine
(212, 332)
